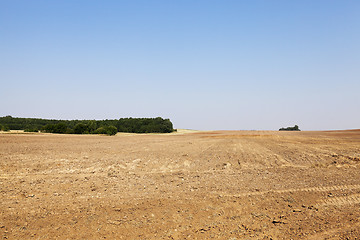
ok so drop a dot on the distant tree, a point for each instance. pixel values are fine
(48, 128)
(56, 128)
(295, 128)
(108, 130)
(81, 128)
(91, 126)
(100, 130)
(69, 131)
(60, 128)
(111, 130)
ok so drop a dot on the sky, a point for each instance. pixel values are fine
(204, 64)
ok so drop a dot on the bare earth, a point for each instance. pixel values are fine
(194, 185)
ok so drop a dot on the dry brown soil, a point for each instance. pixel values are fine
(196, 185)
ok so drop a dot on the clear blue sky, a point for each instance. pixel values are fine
(204, 64)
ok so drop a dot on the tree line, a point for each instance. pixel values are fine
(109, 127)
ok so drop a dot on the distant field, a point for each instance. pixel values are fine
(183, 185)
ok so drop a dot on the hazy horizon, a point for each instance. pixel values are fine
(205, 65)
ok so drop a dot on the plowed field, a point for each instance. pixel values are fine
(196, 185)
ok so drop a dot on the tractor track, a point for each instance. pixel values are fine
(340, 201)
(309, 189)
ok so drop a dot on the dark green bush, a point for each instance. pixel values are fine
(81, 128)
(111, 130)
(295, 128)
(69, 131)
(56, 128)
(100, 130)
(91, 126)
(48, 128)
(108, 130)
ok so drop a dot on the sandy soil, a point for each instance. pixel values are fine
(191, 185)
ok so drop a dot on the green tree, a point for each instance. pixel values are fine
(48, 128)
(91, 126)
(111, 130)
(295, 128)
(100, 130)
(81, 128)
(60, 128)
